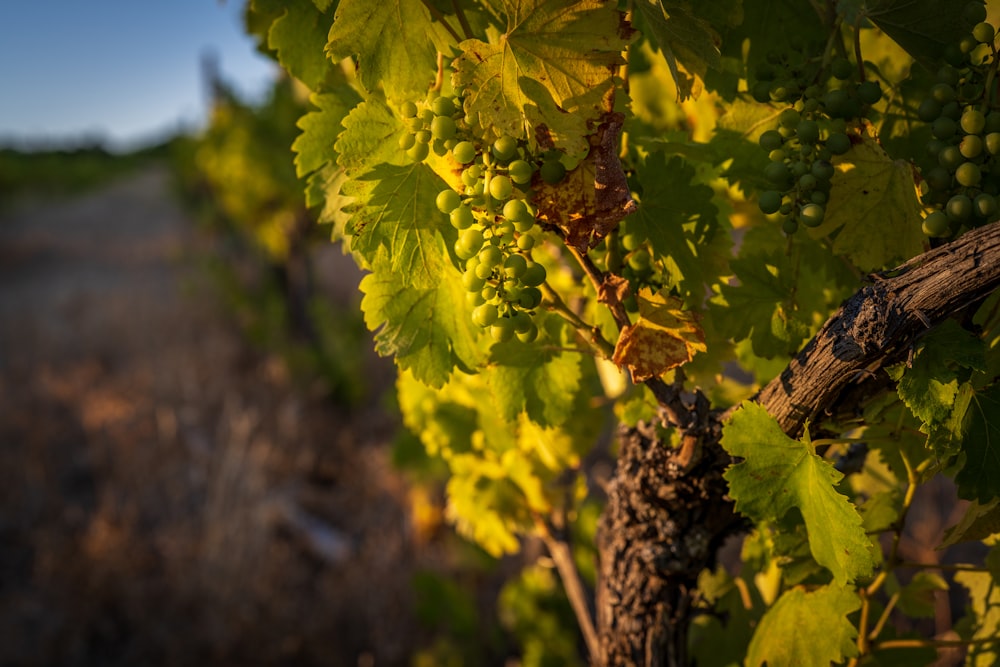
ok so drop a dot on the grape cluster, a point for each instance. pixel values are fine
(495, 224)
(810, 132)
(962, 181)
(433, 128)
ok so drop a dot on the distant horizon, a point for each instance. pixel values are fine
(118, 76)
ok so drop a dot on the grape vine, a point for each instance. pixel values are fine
(574, 216)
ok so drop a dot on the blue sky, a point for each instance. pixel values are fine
(128, 71)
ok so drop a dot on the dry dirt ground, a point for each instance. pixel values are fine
(169, 496)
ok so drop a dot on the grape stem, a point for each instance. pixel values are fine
(590, 333)
(464, 22)
(597, 279)
(561, 555)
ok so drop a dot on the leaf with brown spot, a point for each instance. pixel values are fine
(593, 198)
(663, 337)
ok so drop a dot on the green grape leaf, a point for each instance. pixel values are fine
(806, 629)
(922, 27)
(540, 380)
(874, 209)
(686, 40)
(396, 42)
(984, 600)
(680, 220)
(770, 26)
(553, 66)
(979, 478)
(929, 384)
(918, 598)
(980, 521)
(298, 37)
(779, 474)
(783, 293)
(370, 138)
(427, 330)
(314, 148)
(393, 208)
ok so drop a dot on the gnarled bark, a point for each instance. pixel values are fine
(667, 508)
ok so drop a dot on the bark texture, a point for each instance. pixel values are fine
(667, 509)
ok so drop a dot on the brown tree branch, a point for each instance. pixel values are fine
(668, 511)
(881, 322)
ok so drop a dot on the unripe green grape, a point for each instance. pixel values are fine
(552, 171)
(484, 271)
(983, 32)
(944, 128)
(993, 143)
(423, 136)
(971, 146)
(406, 141)
(973, 121)
(525, 242)
(938, 179)
(777, 155)
(985, 206)
(630, 241)
(534, 274)
(500, 187)
(408, 109)
(418, 152)
(770, 140)
(781, 90)
(869, 92)
(769, 201)
(948, 74)
(974, 12)
(472, 238)
(525, 224)
(822, 170)
(808, 131)
(936, 224)
(464, 152)
(471, 175)
(472, 282)
(443, 106)
(514, 266)
(761, 91)
(530, 297)
(950, 158)
(489, 292)
(639, 259)
(789, 226)
(485, 315)
(522, 322)
(438, 147)
(952, 110)
(530, 335)
(448, 200)
(789, 118)
(515, 210)
(502, 330)
(474, 299)
(958, 208)
(504, 148)
(954, 56)
(520, 171)
(943, 93)
(818, 197)
(836, 102)
(838, 143)
(811, 215)
(461, 217)
(929, 110)
(490, 256)
(777, 173)
(841, 68)
(968, 174)
(807, 182)
(443, 127)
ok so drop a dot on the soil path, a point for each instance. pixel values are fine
(168, 496)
